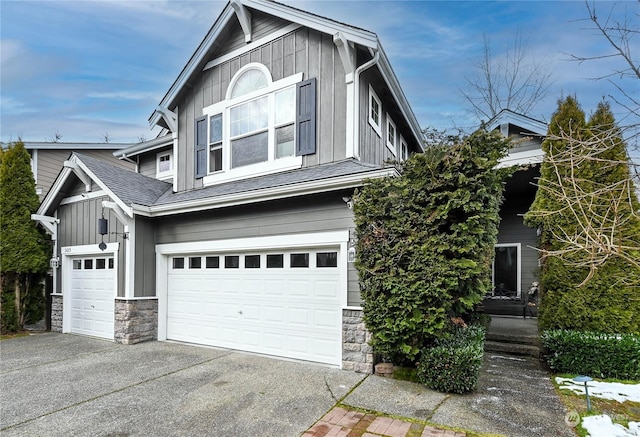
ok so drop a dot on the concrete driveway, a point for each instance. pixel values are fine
(58, 384)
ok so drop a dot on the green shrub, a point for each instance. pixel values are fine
(425, 241)
(480, 319)
(453, 364)
(595, 354)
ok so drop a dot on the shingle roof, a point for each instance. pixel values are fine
(134, 188)
(319, 172)
(128, 186)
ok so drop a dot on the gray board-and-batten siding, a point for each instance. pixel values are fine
(303, 50)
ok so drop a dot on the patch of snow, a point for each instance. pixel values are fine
(615, 391)
(602, 425)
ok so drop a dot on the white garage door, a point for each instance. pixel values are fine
(283, 303)
(92, 296)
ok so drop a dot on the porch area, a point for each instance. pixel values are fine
(513, 336)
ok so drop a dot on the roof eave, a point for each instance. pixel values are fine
(146, 146)
(326, 25)
(395, 88)
(273, 193)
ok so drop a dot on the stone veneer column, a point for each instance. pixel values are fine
(56, 313)
(136, 320)
(357, 355)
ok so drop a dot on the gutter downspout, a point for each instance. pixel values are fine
(356, 103)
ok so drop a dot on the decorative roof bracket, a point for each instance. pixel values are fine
(86, 180)
(48, 223)
(347, 52)
(171, 118)
(244, 17)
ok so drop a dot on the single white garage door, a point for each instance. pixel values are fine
(92, 296)
(282, 303)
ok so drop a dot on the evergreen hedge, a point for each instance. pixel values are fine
(610, 300)
(453, 364)
(425, 243)
(595, 354)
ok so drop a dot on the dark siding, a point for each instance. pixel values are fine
(513, 230)
(145, 280)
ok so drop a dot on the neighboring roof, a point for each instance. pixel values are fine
(50, 145)
(145, 146)
(128, 186)
(506, 116)
(354, 34)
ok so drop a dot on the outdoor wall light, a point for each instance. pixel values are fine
(585, 379)
(103, 229)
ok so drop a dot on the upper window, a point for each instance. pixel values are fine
(375, 111)
(164, 165)
(262, 126)
(391, 135)
(404, 149)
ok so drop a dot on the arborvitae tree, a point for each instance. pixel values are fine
(23, 246)
(586, 209)
(425, 243)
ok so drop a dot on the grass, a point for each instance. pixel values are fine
(14, 335)
(621, 413)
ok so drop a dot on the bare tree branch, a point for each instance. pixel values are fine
(513, 81)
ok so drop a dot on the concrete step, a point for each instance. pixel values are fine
(513, 338)
(512, 348)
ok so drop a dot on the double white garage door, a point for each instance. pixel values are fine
(277, 302)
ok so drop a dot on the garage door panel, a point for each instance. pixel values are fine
(92, 292)
(283, 311)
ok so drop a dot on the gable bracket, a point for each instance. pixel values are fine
(244, 17)
(122, 216)
(171, 118)
(346, 49)
(49, 223)
(84, 177)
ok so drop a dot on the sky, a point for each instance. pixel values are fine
(87, 70)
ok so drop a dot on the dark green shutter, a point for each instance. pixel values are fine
(306, 117)
(201, 147)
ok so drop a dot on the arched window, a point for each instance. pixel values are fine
(251, 80)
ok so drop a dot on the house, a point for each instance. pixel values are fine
(515, 264)
(235, 229)
(48, 157)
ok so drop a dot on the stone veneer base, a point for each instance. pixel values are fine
(136, 320)
(56, 313)
(357, 355)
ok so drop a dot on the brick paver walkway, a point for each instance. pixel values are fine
(340, 422)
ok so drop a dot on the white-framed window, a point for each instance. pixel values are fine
(259, 128)
(164, 165)
(391, 136)
(506, 273)
(375, 111)
(404, 149)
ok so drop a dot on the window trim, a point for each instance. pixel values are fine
(391, 145)
(377, 126)
(404, 149)
(518, 247)
(168, 173)
(224, 107)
